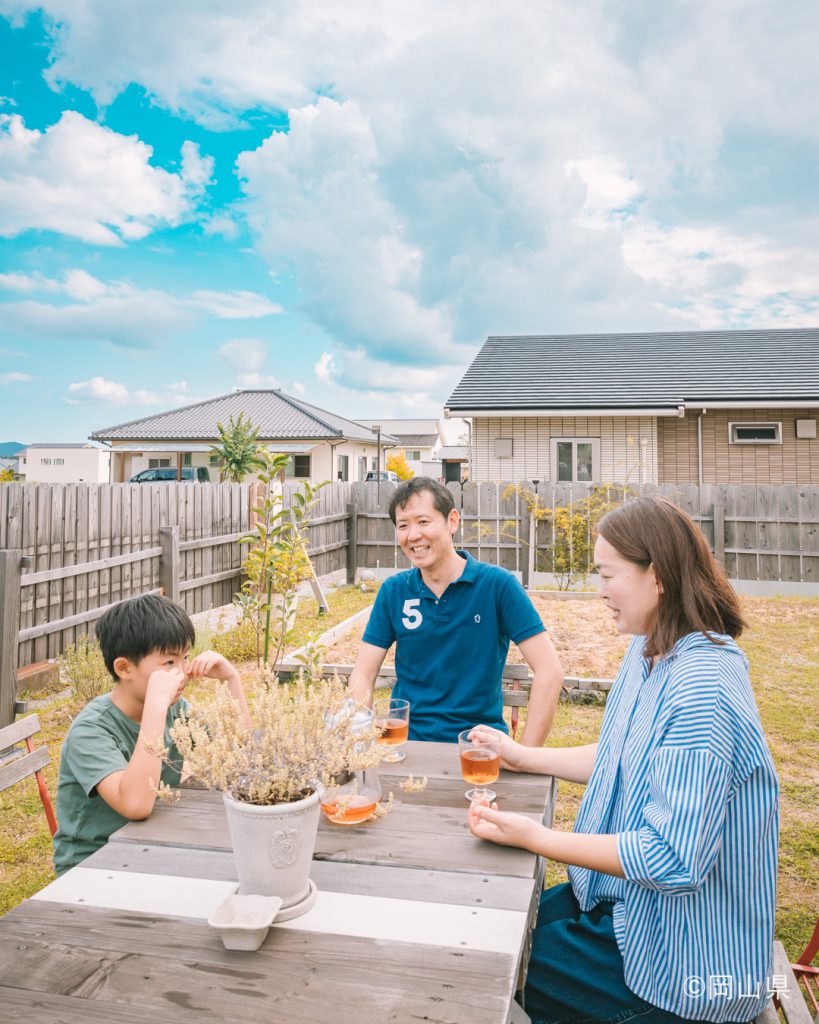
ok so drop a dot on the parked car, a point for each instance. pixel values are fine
(386, 474)
(190, 474)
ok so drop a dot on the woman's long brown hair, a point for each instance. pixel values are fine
(696, 597)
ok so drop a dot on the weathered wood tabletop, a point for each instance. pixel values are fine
(415, 919)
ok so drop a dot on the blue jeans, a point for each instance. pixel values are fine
(576, 970)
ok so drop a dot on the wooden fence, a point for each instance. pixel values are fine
(758, 533)
(90, 545)
(67, 551)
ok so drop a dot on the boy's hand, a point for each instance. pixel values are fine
(165, 686)
(212, 665)
(510, 751)
(502, 827)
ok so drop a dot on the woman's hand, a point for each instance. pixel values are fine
(502, 827)
(511, 752)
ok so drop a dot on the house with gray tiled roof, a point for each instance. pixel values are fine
(419, 439)
(681, 407)
(321, 444)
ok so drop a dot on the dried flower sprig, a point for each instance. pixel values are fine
(302, 738)
(413, 785)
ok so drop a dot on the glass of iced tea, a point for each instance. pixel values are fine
(480, 762)
(392, 718)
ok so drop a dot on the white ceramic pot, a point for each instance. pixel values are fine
(273, 846)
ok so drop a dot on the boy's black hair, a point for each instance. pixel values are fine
(142, 625)
(441, 496)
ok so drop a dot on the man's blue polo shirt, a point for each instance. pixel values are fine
(451, 651)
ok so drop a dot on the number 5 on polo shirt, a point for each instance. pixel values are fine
(412, 617)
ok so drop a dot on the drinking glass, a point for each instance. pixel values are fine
(480, 762)
(392, 718)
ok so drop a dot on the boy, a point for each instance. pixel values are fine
(107, 776)
(452, 619)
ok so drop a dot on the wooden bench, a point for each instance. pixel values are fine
(516, 684)
(14, 770)
(791, 1001)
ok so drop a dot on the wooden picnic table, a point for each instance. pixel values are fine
(415, 919)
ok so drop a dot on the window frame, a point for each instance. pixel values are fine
(735, 425)
(574, 441)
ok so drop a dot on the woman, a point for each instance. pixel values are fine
(668, 913)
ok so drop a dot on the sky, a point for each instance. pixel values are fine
(343, 200)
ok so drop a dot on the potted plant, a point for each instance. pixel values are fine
(21, 702)
(304, 740)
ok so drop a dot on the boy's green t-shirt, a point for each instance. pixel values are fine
(100, 742)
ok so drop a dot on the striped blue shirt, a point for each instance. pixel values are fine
(684, 778)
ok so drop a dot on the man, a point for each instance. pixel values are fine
(452, 619)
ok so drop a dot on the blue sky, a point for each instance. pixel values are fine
(345, 200)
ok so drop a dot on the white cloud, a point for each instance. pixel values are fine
(98, 389)
(298, 389)
(257, 380)
(101, 391)
(237, 305)
(81, 179)
(482, 170)
(117, 311)
(19, 282)
(247, 354)
(222, 225)
(15, 378)
(325, 369)
(83, 286)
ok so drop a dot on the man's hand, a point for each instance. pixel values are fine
(212, 665)
(502, 827)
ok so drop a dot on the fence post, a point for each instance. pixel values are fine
(169, 561)
(11, 562)
(352, 542)
(527, 561)
(719, 528)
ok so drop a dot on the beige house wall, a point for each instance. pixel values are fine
(627, 446)
(795, 461)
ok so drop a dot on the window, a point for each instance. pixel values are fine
(754, 433)
(343, 467)
(374, 463)
(575, 459)
(213, 460)
(413, 456)
(59, 462)
(186, 459)
(362, 466)
(45, 462)
(297, 466)
(158, 463)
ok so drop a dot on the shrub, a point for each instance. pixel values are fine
(238, 643)
(82, 666)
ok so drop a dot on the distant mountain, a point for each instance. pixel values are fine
(8, 449)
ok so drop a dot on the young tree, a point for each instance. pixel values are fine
(239, 450)
(6, 476)
(397, 462)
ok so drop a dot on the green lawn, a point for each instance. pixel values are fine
(783, 649)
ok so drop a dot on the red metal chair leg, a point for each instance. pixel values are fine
(45, 797)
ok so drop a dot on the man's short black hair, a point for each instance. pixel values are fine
(441, 496)
(141, 625)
